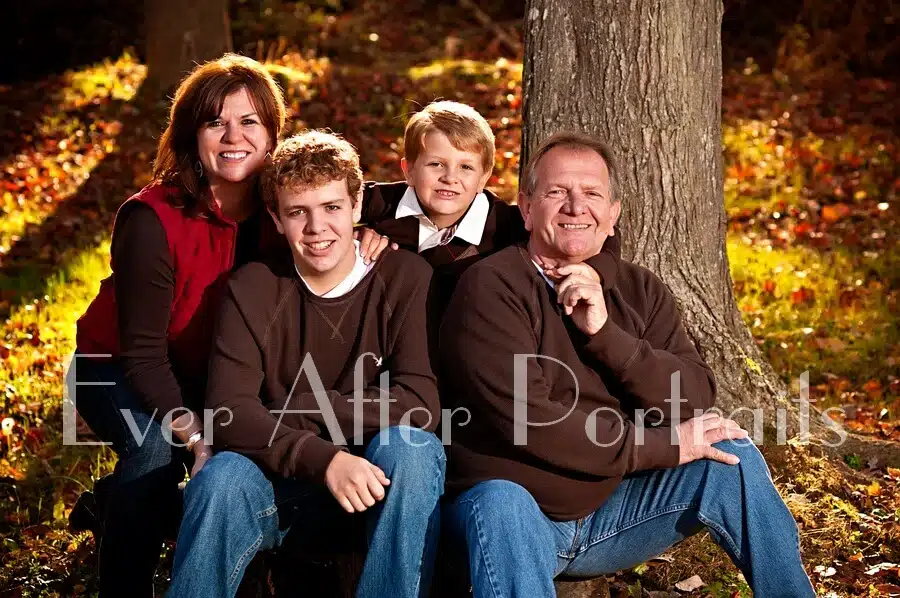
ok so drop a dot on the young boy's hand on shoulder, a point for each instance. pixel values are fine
(371, 244)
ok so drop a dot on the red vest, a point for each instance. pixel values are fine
(202, 251)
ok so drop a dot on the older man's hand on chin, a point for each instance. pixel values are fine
(582, 299)
(579, 290)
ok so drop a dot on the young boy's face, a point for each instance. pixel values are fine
(318, 225)
(446, 179)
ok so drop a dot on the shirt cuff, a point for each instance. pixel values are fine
(658, 450)
(613, 346)
(314, 458)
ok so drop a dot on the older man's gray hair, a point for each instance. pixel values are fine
(573, 139)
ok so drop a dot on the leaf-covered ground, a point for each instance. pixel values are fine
(812, 176)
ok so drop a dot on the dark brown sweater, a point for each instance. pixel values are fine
(270, 323)
(503, 307)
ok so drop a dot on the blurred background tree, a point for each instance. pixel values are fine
(181, 34)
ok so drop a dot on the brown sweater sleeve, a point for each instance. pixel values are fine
(412, 389)
(374, 206)
(144, 287)
(486, 325)
(664, 349)
(241, 422)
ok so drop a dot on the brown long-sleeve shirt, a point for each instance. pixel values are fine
(271, 327)
(144, 286)
(502, 307)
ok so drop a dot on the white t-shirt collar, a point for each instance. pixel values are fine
(359, 271)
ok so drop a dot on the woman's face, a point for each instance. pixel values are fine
(233, 146)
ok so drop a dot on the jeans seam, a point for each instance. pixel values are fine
(481, 547)
(267, 512)
(251, 550)
(631, 524)
(573, 550)
(725, 536)
(435, 488)
(422, 560)
(568, 558)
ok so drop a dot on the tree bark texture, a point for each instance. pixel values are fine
(181, 34)
(646, 75)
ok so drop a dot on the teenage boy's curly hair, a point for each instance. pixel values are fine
(309, 160)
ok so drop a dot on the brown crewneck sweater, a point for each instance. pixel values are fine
(503, 307)
(270, 326)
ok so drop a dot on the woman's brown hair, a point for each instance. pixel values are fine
(198, 100)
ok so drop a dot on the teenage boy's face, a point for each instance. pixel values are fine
(318, 225)
(445, 178)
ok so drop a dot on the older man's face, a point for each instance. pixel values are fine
(571, 213)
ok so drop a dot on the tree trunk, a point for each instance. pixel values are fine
(181, 34)
(646, 75)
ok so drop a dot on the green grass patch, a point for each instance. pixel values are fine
(40, 335)
(826, 312)
(46, 475)
(117, 79)
(472, 69)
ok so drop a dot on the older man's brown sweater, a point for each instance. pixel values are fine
(589, 386)
(275, 338)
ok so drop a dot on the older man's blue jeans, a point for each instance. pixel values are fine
(232, 511)
(515, 551)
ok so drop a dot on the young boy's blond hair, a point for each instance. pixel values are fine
(466, 129)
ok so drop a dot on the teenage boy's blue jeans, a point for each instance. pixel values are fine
(515, 551)
(232, 511)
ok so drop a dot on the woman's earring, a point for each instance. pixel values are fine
(198, 168)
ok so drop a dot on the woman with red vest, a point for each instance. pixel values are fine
(149, 329)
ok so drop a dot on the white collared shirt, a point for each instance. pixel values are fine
(544, 275)
(469, 229)
(359, 271)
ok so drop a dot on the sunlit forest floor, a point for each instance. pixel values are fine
(812, 176)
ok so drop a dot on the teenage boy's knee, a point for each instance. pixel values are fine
(501, 506)
(416, 454)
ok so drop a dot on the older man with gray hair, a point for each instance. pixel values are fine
(557, 473)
